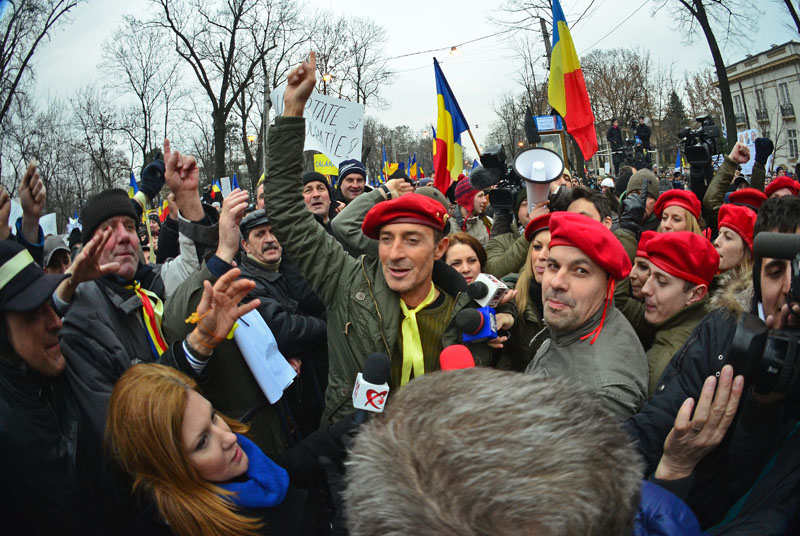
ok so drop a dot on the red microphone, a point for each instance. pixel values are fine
(456, 356)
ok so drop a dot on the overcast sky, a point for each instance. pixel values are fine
(478, 75)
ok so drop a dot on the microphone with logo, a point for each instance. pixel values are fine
(372, 386)
(487, 290)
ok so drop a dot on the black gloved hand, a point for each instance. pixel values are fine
(502, 223)
(633, 209)
(764, 148)
(152, 179)
(343, 431)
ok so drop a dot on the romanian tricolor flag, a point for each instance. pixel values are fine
(447, 158)
(163, 211)
(133, 188)
(215, 189)
(412, 168)
(566, 90)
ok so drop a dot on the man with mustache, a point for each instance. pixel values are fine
(591, 343)
(395, 303)
(293, 313)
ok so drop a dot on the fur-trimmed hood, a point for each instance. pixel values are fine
(732, 290)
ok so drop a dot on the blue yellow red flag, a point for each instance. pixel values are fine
(215, 189)
(412, 168)
(384, 166)
(133, 189)
(448, 158)
(566, 89)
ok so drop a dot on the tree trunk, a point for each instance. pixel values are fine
(793, 12)
(219, 144)
(722, 75)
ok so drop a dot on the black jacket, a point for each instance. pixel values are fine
(51, 466)
(727, 472)
(614, 137)
(289, 307)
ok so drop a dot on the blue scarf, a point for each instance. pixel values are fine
(266, 484)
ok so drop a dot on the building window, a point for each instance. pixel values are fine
(792, 143)
(760, 99)
(783, 92)
(737, 103)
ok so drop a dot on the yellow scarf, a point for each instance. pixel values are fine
(412, 344)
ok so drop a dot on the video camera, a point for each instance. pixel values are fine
(700, 144)
(770, 359)
(495, 171)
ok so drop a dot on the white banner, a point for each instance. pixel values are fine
(334, 127)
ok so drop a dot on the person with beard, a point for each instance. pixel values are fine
(591, 342)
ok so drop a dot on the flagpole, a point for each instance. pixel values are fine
(474, 142)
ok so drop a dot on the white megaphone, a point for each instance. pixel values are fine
(539, 167)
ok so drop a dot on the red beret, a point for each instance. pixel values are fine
(782, 182)
(749, 197)
(539, 223)
(410, 208)
(685, 255)
(678, 198)
(591, 237)
(641, 247)
(739, 219)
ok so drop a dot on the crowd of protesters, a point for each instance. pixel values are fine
(606, 402)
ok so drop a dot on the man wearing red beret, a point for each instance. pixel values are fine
(590, 343)
(682, 265)
(780, 186)
(394, 304)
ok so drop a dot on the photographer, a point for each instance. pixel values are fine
(729, 476)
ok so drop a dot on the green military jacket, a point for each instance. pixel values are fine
(363, 312)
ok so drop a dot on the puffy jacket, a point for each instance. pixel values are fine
(661, 513)
(363, 312)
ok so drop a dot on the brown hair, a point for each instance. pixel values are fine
(471, 241)
(143, 433)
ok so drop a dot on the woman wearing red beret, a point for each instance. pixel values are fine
(733, 286)
(678, 210)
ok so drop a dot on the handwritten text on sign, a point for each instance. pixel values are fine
(333, 126)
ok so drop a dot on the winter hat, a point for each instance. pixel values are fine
(351, 166)
(591, 237)
(685, 255)
(740, 220)
(410, 208)
(52, 244)
(74, 237)
(748, 197)
(106, 204)
(465, 193)
(398, 173)
(313, 176)
(637, 180)
(782, 182)
(678, 198)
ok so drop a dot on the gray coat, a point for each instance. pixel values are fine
(614, 368)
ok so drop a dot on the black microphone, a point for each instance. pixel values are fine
(482, 178)
(477, 325)
(372, 386)
(776, 245)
